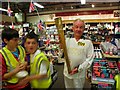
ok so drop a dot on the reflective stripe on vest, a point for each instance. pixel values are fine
(35, 68)
(11, 61)
(7, 59)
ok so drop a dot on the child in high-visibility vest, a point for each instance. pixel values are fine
(12, 56)
(40, 76)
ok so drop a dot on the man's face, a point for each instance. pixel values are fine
(31, 45)
(78, 28)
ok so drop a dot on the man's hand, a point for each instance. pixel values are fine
(75, 70)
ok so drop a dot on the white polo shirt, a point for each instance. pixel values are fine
(80, 53)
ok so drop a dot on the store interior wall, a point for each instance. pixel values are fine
(51, 17)
(35, 19)
(87, 18)
(6, 18)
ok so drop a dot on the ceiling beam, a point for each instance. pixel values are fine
(62, 0)
(74, 10)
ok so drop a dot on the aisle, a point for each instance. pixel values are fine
(59, 84)
(60, 80)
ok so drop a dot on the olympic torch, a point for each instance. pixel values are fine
(58, 22)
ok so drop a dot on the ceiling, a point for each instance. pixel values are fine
(54, 7)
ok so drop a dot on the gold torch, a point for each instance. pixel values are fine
(58, 22)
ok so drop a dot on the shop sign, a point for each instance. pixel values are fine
(116, 13)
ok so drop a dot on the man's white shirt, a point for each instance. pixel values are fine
(80, 53)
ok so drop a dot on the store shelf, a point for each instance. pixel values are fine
(87, 21)
(103, 72)
(101, 80)
(110, 56)
(96, 42)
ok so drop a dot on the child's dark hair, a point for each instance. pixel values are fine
(31, 35)
(9, 34)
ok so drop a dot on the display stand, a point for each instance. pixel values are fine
(103, 71)
(110, 56)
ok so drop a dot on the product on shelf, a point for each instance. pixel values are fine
(104, 71)
(98, 53)
(104, 85)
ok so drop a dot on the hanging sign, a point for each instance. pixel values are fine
(116, 13)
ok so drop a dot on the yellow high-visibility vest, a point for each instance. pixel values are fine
(35, 68)
(11, 61)
(117, 79)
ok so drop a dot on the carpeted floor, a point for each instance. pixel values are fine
(59, 83)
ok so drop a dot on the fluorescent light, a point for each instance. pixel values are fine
(83, 1)
(2, 9)
(93, 5)
(38, 5)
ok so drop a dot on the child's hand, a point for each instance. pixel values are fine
(23, 82)
(24, 64)
(21, 66)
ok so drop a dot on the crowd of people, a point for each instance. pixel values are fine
(15, 59)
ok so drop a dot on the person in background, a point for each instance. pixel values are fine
(109, 46)
(13, 60)
(114, 41)
(81, 54)
(39, 64)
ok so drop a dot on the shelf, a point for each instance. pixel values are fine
(96, 42)
(54, 42)
(52, 34)
(102, 80)
(87, 21)
(110, 56)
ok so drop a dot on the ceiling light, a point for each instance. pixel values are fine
(93, 5)
(2, 9)
(83, 1)
(71, 7)
(38, 5)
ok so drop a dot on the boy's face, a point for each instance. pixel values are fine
(12, 44)
(31, 45)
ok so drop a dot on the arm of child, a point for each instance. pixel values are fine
(15, 71)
